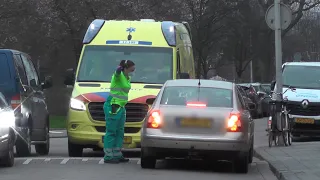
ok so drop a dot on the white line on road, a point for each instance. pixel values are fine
(27, 161)
(64, 161)
(101, 161)
(139, 161)
(56, 132)
(47, 159)
(85, 159)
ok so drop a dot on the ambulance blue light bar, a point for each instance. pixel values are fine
(93, 30)
(169, 32)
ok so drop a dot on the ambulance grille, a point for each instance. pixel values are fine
(135, 111)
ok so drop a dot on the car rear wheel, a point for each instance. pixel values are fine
(251, 152)
(43, 149)
(74, 150)
(147, 161)
(8, 161)
(23, 144)
(241, 164)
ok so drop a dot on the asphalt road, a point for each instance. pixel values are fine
(58, 166)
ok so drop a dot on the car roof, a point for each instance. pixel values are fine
(203, 83)
(302, 64)
(245, 84)
(9, 50)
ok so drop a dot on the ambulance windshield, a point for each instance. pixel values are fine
(153, 64)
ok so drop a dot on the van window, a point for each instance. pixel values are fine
(34, 71)
(5, 74)
(20, 69)
(153, 64)
(27, 67)
(307, 77)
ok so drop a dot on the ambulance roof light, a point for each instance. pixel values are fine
(148, 20)
(93, 30)
(169, 32)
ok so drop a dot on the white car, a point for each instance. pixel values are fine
(7, 133)
(192, 118)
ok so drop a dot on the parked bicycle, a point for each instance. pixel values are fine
(279, 124)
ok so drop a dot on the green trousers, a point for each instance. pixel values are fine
(113, 139)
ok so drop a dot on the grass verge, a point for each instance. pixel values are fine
(57, 122)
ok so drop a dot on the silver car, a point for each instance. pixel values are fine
(7, 133)
(192, 118)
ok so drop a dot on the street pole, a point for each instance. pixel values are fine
(278, 48)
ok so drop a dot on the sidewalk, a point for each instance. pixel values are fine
(301, 161)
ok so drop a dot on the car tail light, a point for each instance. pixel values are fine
(234, 123)
(154, 120)
(196, 104)
(15, 101)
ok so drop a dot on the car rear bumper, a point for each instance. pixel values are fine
(195, 144)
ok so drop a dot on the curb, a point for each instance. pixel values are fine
(275, 171)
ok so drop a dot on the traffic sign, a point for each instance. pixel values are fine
(286, 16)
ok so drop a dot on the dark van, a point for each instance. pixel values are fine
(22, 87)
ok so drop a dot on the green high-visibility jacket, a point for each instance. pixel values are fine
(119, 89)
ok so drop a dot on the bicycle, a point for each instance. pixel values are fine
(278, 110)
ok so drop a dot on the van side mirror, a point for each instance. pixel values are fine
(47, 83)
(273, 84)
(150, 101)
(69, 77)
(184, 76)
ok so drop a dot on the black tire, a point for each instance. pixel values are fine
(276, 140)
(241, 164)
(251, 151)
(285, 138)
(43, 149)
(23, 144)
(8, 161)
(147, 161)
(74, 150)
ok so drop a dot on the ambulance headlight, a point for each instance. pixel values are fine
(78, 105)
(7, 119)
(93, 30)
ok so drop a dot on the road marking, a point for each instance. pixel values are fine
(85, 159)
(56, 132)
(64, 161)
(101, 161)
(47, 159)
(139, 161)
(27, 161)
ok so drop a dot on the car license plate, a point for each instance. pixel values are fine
(126, 140)
(304, 121)
(190, 122)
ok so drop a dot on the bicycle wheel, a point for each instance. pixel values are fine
(276, 140)
(285, 138)
(289, 133)
(270, 138)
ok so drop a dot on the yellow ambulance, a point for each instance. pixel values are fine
(160, 50)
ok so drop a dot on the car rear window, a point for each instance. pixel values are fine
(212, 97)
(5, 75)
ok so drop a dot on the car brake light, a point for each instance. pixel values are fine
(154, 120)
(196, 104)
(15, 101)
(234, 123)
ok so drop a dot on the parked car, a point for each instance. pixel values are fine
(267, 88)
(7, 133)
(264, 98)
(253, 95)
(247, 100)
(21, 85)
(209, 121)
